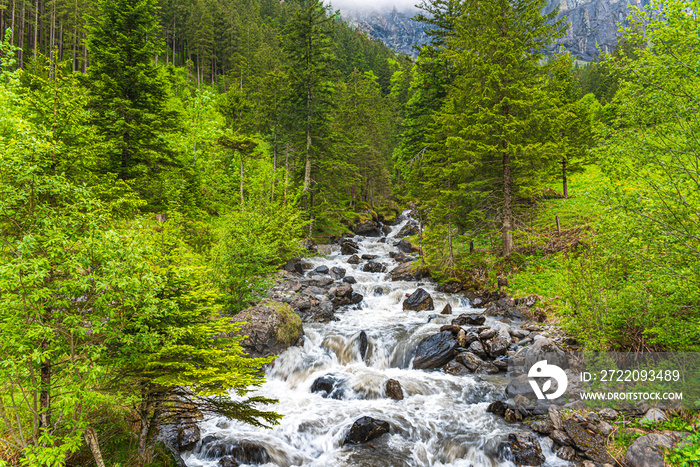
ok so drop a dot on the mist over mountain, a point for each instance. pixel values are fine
(593, 24)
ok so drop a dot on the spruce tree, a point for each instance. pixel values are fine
(127, 92)
(500, 114)
(310, 52)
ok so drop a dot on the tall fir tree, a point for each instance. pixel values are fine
(310, 52)
(127, 93)
(500, 112)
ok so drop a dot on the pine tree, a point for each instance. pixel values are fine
(310, 51)
(127, 93)
(501, 113)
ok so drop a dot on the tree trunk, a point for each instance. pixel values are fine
(91, 441)
(507, 207)
(242, 200)
(565, 181)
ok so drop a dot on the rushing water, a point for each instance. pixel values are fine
(442, 420)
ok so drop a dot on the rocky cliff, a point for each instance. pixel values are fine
(593, 24)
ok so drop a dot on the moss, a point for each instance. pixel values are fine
(290, 329)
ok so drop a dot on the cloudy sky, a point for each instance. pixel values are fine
(376, 4)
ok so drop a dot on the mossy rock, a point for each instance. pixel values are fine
(270, 328)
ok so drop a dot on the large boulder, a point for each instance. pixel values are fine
(368, 228)
(546, 349)
(590, 444)
(420, 300)
(408, 230)
(496, 346)
(522, 449)
(271, 328)
(406, 247)
(406, 272)
(471, 319)
(244, 452)
(371, 266)
(435, 351)
(402, 257)
(349, 248)
(188, 436)
(647, 451)
(337, 273)
(366, 429)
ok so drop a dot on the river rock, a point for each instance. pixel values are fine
(321, 270)
(567, 453)
(454, 329)
(560, 437)
(366, 429)
(521, 449)
(386, 230)
(497, 408)
(401, 257)
(470, 361)
(371, 266)
(337, 273)
(496, 346)
(543, 427)
(647, 451)
(471, 319)
(545, 349)
(520, 386)
(329, 386)
(228, 461)
(393, 390)
(244, 452)
(487, 333)
(369, 257)
(354, 259)
(294, 265)
(356, 298)
(435, 351)
(349, 280)
(477, 348)
(349, 249)
(455, 369)
(188, 436)
(271, 327)
(408, 230)
(406, 247)
(420, 300)
(368, 228)
(363, 343)
(447, 310)
(406, 272)
(591, 445)
(555, 417)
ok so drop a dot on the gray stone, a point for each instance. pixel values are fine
(608, 414)
(555, 417)
(546, 349)
(647, 451)
(522, 449)
(435, 351)
(654, 415)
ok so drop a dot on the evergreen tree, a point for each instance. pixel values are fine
(128, 93)
(500, 113)
(310, 51)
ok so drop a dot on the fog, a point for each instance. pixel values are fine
(401, 5)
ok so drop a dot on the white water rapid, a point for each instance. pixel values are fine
(442, 420)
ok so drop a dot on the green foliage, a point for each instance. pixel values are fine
(251, 245)
(128, 94)
(686, 453)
